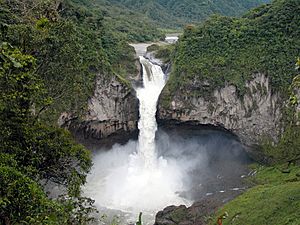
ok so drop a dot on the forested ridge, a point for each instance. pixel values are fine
(177, 13)
(131, 24)
(227, 50)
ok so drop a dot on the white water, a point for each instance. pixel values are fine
(154, 82)
(132, 178)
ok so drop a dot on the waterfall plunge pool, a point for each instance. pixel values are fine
(201, 163)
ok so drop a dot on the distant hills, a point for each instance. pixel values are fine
(116, 18)
(143, 20)
(176, 13)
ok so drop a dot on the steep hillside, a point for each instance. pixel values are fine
(235, 72)
(174, 13)
(229, 49)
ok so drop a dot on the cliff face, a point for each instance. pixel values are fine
(113, 109)
(250, 117)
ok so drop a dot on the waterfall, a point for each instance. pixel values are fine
(149, 177)
(133, 178)
(153, 81)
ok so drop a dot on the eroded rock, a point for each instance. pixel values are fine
(113, 109)
(250, 117)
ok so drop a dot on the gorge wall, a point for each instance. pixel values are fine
(112, 110)
(250, 117)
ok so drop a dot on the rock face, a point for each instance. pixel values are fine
(114, 106)
(181, 215)
(113, 109)
(250, 117)
(166, 67)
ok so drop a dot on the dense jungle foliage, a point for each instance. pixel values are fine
(132, 25)
(176, 13)
(230, 50)
(71, 44)
(32, 153)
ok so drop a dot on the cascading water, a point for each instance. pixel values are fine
(132, 178)
(154, 81)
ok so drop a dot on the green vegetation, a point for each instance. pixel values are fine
(275, 199)
(125, 23)
(153, 48)
(295, 87)
(71, 45)
(275, 175)
(32, 153)
(52, 51)
(288, 147)
(176, 13)
(230, 50)
(163, 52)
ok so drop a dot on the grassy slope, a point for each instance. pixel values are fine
(276, 200)
(225, 49)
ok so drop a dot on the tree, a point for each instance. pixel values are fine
(31, 152)
(295, 87)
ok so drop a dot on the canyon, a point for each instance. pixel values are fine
(113, 110)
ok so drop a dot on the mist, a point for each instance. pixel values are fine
(190, 166)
